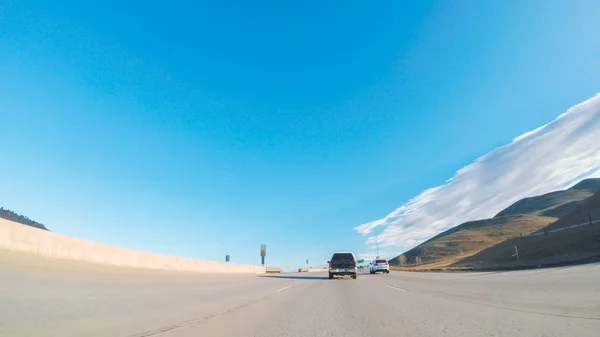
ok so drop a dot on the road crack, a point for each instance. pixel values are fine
(513, 309)
(198, 320)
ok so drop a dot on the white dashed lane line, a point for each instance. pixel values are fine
(284, 288)
(397, 288)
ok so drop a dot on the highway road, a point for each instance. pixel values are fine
(40, 297)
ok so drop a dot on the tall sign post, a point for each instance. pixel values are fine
(263, 253)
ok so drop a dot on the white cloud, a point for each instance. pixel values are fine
(553, 156)
(529, 133)
(370, 256)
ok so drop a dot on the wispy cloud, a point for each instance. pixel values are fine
(551, 157)
(370, 256)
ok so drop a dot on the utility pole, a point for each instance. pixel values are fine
(377, 244)
(517, 255)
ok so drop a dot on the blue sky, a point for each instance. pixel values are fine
(204, 129)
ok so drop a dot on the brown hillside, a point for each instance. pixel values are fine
(554, 204)
(589, 208)
(567, 246)
(471, 237)
(523, 217)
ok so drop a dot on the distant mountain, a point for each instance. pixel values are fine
(12, 216)
(527, 215)
(554, 204)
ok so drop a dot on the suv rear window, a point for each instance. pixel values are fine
(342, 256)
(380, 261)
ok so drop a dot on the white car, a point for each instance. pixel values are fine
(379, 265)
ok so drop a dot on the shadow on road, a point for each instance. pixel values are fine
(299, 277)
(310, 277)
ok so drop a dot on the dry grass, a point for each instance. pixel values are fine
(555, 204)
(489, 244)
(468, 239)
(563, 247)
(436, 266)
(590, 207)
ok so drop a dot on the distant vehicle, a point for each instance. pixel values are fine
(341, 264)
(379, 265)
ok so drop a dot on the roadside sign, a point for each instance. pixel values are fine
(361, 261)
(263, 250)
(263, 253)
(226, 258)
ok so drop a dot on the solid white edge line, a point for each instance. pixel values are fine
(284, 288)
(389, 286)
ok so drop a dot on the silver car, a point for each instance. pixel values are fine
(379, 265)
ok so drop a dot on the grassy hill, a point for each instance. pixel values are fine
(560, 247)
(469, 238)
(554, 204)
(589, 208)
(564, 247)
(12, 216)
(467, 241)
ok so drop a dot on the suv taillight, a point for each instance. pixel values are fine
(355, 263)
(330, 265)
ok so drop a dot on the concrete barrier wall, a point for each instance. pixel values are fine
(311, 270)
(25, 239)
(316, 270)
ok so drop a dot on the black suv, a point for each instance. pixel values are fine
(342, 264)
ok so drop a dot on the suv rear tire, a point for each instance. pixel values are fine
(330, 276)
(353, 276)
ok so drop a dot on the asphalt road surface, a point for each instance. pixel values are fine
(40, 297)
